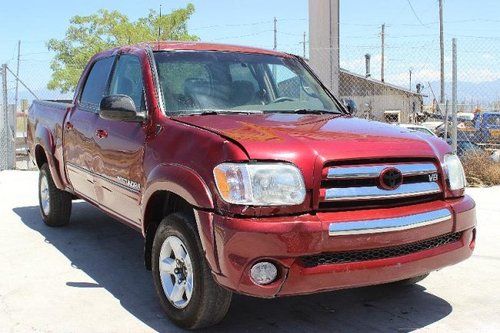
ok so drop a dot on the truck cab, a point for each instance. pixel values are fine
(246, 175)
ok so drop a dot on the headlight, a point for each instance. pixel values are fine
(260, 184)
(454, 172)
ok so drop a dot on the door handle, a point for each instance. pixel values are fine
(69, 126)
(101, 134)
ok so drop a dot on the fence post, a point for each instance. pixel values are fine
(446, 118)
(4, 123)
(454, 96)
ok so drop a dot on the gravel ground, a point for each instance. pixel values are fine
(89, 277)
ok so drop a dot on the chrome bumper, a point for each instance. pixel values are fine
(389, 224)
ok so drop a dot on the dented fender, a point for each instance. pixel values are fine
(45, 140)
(187, 184)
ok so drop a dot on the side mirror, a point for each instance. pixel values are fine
(350, 106)
(119, 107)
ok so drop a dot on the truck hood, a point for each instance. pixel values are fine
(297, 138)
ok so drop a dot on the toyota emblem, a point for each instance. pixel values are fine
(390, 179)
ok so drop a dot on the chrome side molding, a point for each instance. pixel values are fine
(373, 171)
(389, 224)
(373, 192)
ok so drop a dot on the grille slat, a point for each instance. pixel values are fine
(370, 171)
(379, 253)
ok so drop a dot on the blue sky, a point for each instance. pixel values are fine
(412, 36)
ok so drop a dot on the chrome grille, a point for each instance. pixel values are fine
(360, 183)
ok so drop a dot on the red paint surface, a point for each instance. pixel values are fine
(179, 154)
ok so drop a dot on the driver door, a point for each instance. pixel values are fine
(120, 147)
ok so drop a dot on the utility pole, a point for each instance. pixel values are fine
(275, 34)
(304, 45)
(382, 60)
(159, 29)
(441, 47)
(4, 123)
(16, 98)
(454, 96)
(446, 119)
(410, 70)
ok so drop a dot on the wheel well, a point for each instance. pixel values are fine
(161, 204)
(40, 156)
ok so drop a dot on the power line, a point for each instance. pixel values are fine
(242, 36)
(229, 25)
(415, 13)
(288, 33)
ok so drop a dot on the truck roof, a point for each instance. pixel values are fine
(196, 46)
(202, 46)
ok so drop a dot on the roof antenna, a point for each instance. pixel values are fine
(159, 31)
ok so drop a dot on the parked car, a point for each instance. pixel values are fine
(487, 127)
(418, 128)
(465, 116)
(432, 125)
(484, 129)
(246, 175)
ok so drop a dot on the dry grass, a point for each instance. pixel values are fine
(481, 170)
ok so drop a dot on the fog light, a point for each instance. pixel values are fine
(263, 272)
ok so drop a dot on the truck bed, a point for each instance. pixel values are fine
(45, 122)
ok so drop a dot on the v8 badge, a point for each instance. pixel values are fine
(433, 177)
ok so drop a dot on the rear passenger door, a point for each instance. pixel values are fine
(79, 129)
(120, 148)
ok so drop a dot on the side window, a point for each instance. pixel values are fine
(127, 80)
(95, 85)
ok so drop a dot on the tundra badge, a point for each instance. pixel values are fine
(129, 183)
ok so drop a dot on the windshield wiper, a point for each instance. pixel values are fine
(304, 111)
(216, 112)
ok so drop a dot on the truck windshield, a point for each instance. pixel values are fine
(213, 82)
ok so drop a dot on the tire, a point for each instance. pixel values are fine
(410, 281)
(55, 205)
(207, 303)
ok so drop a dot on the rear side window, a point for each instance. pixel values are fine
(95, 86)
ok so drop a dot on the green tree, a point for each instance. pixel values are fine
(88, 35)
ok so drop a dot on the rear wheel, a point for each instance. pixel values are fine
(55, 205)
(183, 280)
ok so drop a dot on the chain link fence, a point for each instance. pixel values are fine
(406, 92)
(402, 87)
(18, 91)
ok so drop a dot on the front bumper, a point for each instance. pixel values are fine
(241, 242)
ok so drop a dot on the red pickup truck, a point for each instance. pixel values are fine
(244, 174)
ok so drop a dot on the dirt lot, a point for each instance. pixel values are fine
(89, 277)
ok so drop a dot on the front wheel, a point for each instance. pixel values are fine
(55, 205)
(182, 278)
